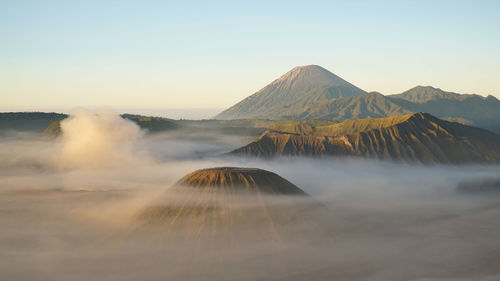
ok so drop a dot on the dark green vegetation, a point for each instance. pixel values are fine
(302, 94)
(152, 124)
(417, 137)
(28, 121)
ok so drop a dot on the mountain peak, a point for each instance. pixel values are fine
(240, 178)
(288, 95)
(308, 76)
(310, 67)
(421, 87)
(423, 94)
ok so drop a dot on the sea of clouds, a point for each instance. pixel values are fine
(69, 203)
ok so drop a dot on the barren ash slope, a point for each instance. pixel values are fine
(227, 203)
(287, 96)
(418, 137)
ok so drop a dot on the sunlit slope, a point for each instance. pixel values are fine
(286, 97)
(418, 137)
(228, 202)
(240, 179)
(253, 127)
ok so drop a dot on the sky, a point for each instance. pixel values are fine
(199, 57)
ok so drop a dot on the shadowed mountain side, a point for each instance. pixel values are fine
(28, 121)
(286, 96)
(418, 137)
(226, 204)
(476, 110)
(152, 124)
(371, 105)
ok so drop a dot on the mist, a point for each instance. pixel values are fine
(70, 210)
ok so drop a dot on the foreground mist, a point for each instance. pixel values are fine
(69, 211)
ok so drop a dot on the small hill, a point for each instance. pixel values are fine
(417, 137)
(228, 202)
(240, 179)
(288, 95)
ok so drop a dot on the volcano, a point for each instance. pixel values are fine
(290, 94)
(418, 137)
(228, 203)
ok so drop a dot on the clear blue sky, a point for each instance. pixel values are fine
(211, 54)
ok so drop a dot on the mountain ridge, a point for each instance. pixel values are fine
(344, 101)
(418, 137)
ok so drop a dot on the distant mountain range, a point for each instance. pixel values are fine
(417, 137)
(312, 92)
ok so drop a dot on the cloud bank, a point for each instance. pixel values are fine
(69, 212)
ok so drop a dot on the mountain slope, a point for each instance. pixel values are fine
(422, 94)
(228, 202)
(476, 110)
(418, 137)
(312, 92)
(371, 105)
(289, 94)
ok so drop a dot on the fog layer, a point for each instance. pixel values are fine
(70, 211)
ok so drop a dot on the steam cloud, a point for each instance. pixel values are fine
(98, 141)
(388, 222)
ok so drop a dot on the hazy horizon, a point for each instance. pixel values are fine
(71, 211)
(158, 54)
(323, 158)
(172, 113)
